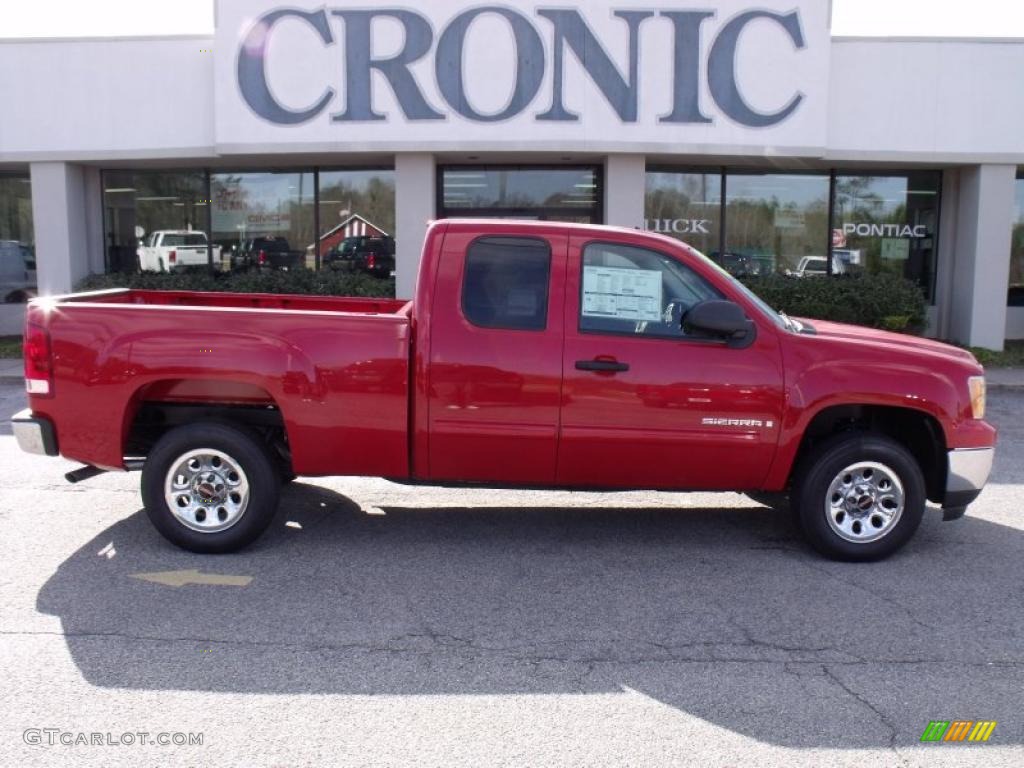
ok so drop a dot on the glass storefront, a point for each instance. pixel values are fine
(572, 194)
(888, 223)
(779, 222)
(263, 219)
(1015, 296)
(238, 220)
(687, 206)
(357, 215)
(143, 208)
(17, 238)
(775, 223)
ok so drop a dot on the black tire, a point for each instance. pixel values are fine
(245, 450)
(815, 477)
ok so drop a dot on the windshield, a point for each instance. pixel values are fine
(779, 319)
(272, 244)
(189, 239)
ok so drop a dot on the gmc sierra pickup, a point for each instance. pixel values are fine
(535, 355)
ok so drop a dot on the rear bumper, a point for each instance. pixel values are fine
(34, 433)
(967, 474)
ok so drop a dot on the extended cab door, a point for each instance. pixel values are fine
(643, 404)
(495, 357)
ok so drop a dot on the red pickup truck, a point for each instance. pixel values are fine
(535, 355)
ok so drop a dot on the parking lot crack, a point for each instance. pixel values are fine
(865, 702)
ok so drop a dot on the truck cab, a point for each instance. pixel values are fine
(170, 250)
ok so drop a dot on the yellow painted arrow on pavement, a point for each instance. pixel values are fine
(181, 578)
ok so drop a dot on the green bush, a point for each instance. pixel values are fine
(328, 282)
(881, 301)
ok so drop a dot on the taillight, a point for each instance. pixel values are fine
(172, 257)
(262, 258)
(371, 260)
(38, 361)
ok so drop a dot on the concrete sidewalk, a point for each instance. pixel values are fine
(11, 368)
(1005, 378)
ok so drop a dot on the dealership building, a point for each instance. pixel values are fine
(743, 128)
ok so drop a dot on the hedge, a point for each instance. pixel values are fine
(327, 282)
(880, 301)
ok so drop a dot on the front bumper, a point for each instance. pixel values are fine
(34, 433)
(966, 475)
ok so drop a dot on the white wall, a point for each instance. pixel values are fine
(981, 270)
(415, 206)
(89, 100)
(888, 100)
(932, 101)
(625, 182)
(59, 212)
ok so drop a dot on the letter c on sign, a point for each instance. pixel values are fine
(252, 71)
(722, 69)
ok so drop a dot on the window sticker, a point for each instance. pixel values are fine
(623, 294)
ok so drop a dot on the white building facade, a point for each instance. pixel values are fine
(743, 128)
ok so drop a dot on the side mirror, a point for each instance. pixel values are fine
(717, 318)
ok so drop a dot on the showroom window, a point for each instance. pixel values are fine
(1015, 297)
(775, 222)
(888, 223)
(239, 220)
(137, 205)
(17, 238)
(686, 206)
(779, 223)
(554, 193)
(357, 218)
(264, 219)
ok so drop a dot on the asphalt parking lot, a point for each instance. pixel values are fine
(382, 625)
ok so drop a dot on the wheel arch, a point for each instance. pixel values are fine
(916, 430)
(160, 405)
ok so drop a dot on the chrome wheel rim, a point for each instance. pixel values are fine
(206, 490)
(865, 502)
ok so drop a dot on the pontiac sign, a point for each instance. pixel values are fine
(716, 74)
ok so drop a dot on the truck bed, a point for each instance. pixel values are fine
(216, 299)
(335, 368)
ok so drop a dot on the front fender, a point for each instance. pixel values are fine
(829, 383)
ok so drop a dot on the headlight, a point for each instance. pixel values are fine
(976, 386)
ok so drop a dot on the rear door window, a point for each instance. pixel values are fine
(506, 283)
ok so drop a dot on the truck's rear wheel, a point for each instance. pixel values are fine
(210, 487)
(859, 497)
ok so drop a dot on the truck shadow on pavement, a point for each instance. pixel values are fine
(720, 613)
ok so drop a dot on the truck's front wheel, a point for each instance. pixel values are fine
(859, 497)
(210, 487)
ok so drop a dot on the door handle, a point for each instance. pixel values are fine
(602, 366)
